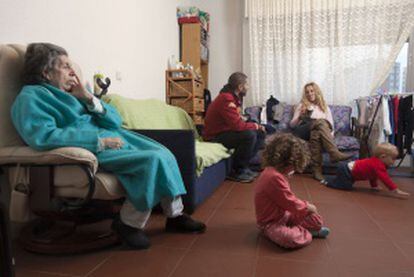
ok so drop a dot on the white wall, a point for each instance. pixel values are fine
(132, 37)
(135, 37)
(225, 39)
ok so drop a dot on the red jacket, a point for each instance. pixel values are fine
(223, 115)
(372, 169)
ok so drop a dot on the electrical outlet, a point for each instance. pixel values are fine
(118, 75)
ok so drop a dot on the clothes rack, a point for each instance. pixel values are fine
(375, 115)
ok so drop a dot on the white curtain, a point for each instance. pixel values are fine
(346, 46)
(410, 65)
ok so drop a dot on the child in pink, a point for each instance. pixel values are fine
(282, 217)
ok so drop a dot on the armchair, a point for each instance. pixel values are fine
(65, 184)
(64, 187)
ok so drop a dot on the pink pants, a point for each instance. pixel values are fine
(291, 232)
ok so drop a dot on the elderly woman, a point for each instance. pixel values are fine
(312, 121)
(55, 110)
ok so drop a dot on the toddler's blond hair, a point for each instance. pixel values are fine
(385, 149)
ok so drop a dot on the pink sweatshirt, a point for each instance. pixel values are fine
(273, 197)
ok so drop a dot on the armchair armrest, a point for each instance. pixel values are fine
(42, 165)
(61, 156)
(182, 144)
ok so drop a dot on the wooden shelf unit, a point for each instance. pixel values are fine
(191, 44)
(186, 92)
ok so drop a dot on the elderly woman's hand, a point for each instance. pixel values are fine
(111, 143)
(80, 92)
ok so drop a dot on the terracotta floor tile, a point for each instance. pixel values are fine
(78, 265)
(349, 272)
(349, 220)
(322, 194)
(274, 267)
(232, 218)
(202, 263)
(241, 197)
(399, 231)
(28, 273)
(157, 261)
(372, 235)
(217, 197)
(241, 240)
(387, 208)
(368, 255)
(408, 250)
(317, 251)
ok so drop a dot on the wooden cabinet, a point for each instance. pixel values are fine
(186, 92)
(185, 89)
(194, 48)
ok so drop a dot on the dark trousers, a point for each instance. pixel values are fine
(343, 178)
(245, 144)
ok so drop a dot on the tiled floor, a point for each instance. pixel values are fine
(372, 235)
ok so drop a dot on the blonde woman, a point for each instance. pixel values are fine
(312, 121)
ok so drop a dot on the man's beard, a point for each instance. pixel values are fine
(242, 93)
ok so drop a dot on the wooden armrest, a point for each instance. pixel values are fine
(25, 155)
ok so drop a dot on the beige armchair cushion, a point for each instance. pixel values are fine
(71, 181)
(11, 62)
(66, 155)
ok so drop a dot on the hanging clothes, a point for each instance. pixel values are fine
(405, 124)
(396, 100)
(391, 137)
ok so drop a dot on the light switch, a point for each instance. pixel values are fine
(118, 75)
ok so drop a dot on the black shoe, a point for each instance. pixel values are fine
(252, 173)
(184, 224)
(133, 237)
(242, 177)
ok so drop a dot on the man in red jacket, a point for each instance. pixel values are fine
(223, 123)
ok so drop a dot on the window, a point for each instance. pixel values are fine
(396, 79)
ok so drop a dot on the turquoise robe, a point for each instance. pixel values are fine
(48, 118)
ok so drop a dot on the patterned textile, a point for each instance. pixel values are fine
(253, 113)
(283, 125)
(347, 143)
(342, 119)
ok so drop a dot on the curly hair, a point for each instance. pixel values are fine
(320, 101)
(285, 150)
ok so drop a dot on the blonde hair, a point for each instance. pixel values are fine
(285, 150)
(385, 149)
(319, 100)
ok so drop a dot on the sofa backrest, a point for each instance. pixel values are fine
(341, 115)
(342, 119)
(11, 63)
(150, 114)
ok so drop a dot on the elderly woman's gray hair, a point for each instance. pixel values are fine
(40, 57)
